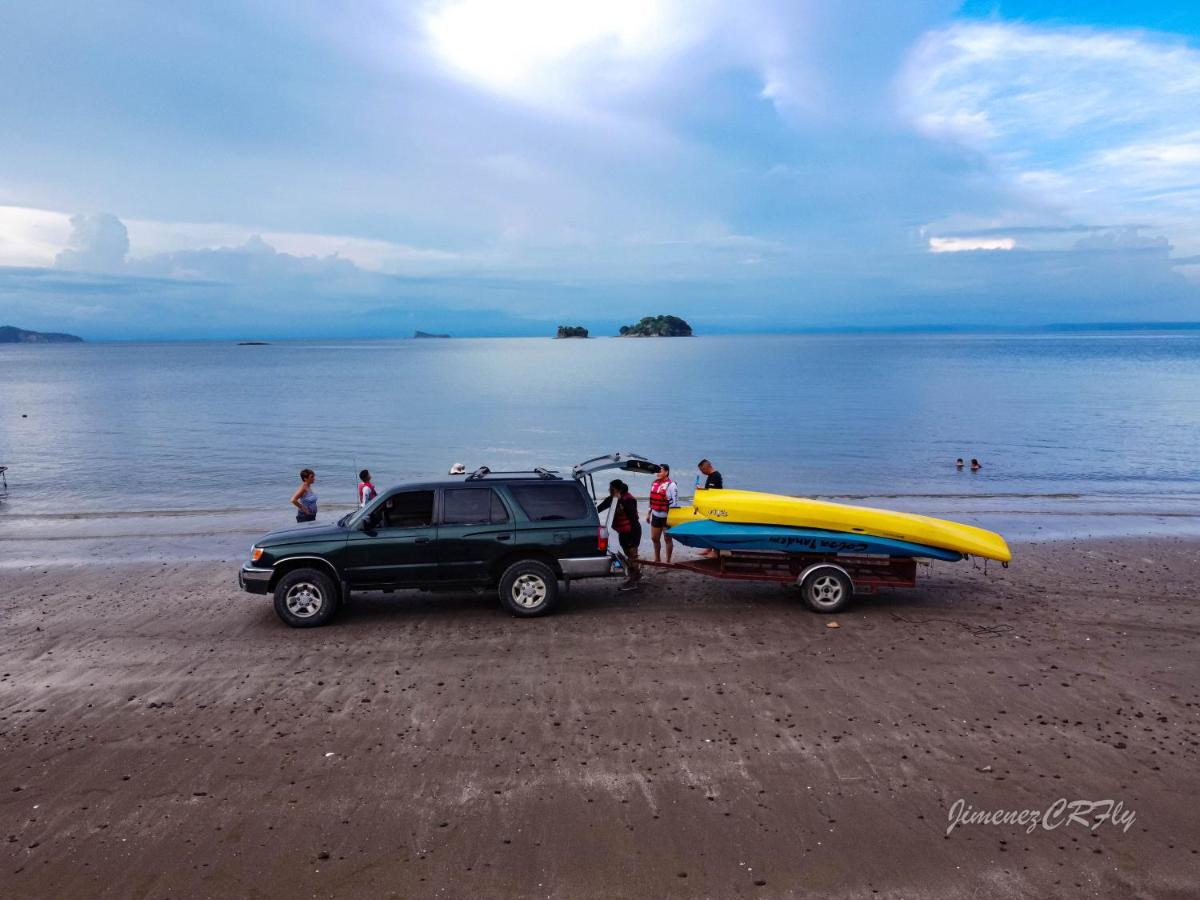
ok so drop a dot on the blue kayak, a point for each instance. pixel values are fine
(710, 535)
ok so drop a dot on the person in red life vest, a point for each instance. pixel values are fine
(629, 530)
(664, 494)
(366, 490)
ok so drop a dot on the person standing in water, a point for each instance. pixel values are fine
(304, 499)
(366, 490)
(629, 530)
(664, 494)
(975, 465)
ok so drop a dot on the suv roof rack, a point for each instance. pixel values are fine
(538, 472)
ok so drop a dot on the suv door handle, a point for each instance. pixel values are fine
(504, 537)
(422, 541)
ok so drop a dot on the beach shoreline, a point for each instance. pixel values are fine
(163, 734)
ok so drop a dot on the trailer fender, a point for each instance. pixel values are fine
(826, 565)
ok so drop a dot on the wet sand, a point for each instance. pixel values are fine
(163, 735)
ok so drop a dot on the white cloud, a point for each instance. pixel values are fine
(960, 244)
(98, 243)
(1092, 125)
(106, 243)
(31, 237)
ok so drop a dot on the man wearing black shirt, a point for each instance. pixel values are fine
(713, 480)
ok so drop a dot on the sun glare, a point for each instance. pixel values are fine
(512, 47)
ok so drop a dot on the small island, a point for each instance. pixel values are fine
(252, 344)
(426, 334)
(658, 326)
(10, 334)
(571, 331)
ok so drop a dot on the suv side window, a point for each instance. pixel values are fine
(411, 509)
(472, 506)
(550, 502)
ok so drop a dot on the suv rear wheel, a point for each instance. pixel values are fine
(305, 598)
(528, 588)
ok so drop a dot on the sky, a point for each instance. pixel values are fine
(304, 169)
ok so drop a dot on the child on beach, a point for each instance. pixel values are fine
(629, 530)
(304, 499)
(366, 490)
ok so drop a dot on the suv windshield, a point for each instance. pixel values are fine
(550, 502)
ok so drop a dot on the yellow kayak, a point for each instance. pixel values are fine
(752, 507)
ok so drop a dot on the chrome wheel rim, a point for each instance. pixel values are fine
(826, 590)
(529, 591)
(304, 599)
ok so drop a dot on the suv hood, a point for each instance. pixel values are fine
(300, 534)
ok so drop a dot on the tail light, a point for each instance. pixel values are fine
(602, 539)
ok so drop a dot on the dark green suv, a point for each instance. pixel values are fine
(522, 533)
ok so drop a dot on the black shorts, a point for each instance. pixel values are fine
(658, 521)
(306, 517)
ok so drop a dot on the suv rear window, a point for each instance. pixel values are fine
(550, 502)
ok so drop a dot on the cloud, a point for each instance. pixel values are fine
(960, 244)
(98, 243)
(1090, 124)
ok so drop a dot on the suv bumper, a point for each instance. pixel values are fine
(586, 567)
(255, 580)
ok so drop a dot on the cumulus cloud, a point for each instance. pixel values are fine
(960, 244)
(98, 243)
(1091, 124)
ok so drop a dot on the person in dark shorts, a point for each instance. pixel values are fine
(629, 530)
(712, 478)
(664, 494)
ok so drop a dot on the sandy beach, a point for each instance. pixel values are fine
(163, 735)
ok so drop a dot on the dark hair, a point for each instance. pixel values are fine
(306, 474)
(621, 486)
(703, 462)
(364, 475)
(665, 467)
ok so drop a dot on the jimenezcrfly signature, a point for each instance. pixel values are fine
(1091, 814)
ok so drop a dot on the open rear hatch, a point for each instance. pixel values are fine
(624, 462)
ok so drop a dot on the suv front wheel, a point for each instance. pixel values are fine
(305, 598)
(528, 588)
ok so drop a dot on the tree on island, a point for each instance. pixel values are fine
(571, 331)
(658, 326)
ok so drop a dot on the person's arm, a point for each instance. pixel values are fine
(605, 503)
(672, 494)
(296, 497)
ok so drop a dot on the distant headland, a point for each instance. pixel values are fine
(571, 331)
(658, 326)
(426, 334)
(10, 334)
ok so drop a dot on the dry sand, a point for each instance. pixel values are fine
(163, 735)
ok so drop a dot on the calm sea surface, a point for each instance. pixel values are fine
(1078, 434)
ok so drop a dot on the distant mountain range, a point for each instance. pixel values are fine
(10, 334)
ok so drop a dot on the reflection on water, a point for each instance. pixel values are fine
(1064, 424)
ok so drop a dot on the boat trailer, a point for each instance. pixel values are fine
(826, 581)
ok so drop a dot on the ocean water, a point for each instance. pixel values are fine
(1077, 433)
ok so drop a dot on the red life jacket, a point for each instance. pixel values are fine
(620, 522)
(364, 501)
(659, 504)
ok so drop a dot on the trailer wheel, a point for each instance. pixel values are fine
(827, 590)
